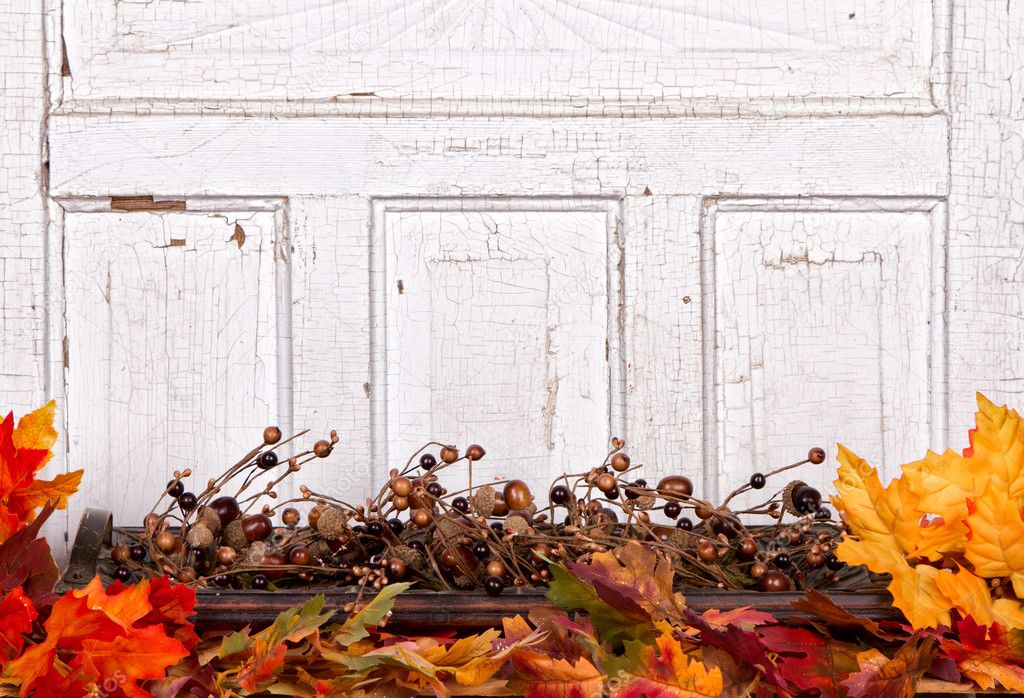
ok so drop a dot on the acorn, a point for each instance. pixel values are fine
(519, 521)
(774, 582)
(800, 499)
(678, 485)
(234, 536)
(517, 494)
(475, 452)
(209, 518)
(274, 558)
(290, 516)
(226, 508)
(483, 500)
(333, 524)
(199, 536)
(620, 462)
(449, 454)
(271, 435)
(256, 527)
(313, 517)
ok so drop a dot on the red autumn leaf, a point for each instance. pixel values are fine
(988, 654)
(881, 677)
(173, 604)
(26, 562)
(122, 604)
(16, 616)
(746, 648)
(263, 666)
(809, 660)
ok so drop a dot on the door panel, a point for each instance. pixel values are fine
(532, 56)
(172, 327)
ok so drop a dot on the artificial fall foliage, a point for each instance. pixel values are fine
(949, 530)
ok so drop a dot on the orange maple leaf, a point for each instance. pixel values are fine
(143, 654)
(665, 671)
(16, 615)
(23, 453)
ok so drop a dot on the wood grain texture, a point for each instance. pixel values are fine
(986, 209)
(823, 324)
(172, 348)
(595, 56)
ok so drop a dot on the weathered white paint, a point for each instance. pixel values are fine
(782, 169)
(171, 321)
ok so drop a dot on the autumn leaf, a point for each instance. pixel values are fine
(143, 654)
(355, 626)
(821, 606)
(811, 661)
(995, 541)
(663, 670)
(16, 616)
(881, 677)
(539, 676)
(745, 648)
(987, 655)
(914, 588)
(743, 617)
(26, 561)
(624, 591)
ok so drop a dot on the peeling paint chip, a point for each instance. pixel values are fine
(239, 236)
(401, 287)
(143, 203)
(852, 15)
(366, 389)
(647, 191)
(686, 299)
(177, 242)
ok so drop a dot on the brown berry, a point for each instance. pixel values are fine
(274, 558)
(758, 570)
(322, 449)
(517, 495)
(449, 454)
(400, 503)
(271, 435)
(620, 461)
(496, 568)
(226, 556)
(816, 455)
(707, 551)
(299, 555)
(676, 485)
(747, 549)
(422, 518)
(815, 560)
(606, 482)
(120, 553)
(256, 527)
(290, 516)
(166, 542)
(475, 452)
(396, 568)
(401, 486)
(774, 581)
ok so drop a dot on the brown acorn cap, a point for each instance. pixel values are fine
(233, 535)
(644, 502)
(410, 556)
(483, 501)
(787, 497)
(209, 518)
(199, 536)
(449, 528)
(319, 550)
(333, 524)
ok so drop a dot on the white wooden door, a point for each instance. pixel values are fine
(725, 232)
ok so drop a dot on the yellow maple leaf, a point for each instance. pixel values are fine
(914, 589)
(886, 515)
(35, 430)
(995, 542)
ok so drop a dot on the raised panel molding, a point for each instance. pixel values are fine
(512, 56)
(824, 321)
(174, 331)
(497, 321)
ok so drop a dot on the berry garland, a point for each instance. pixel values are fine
(486, 537)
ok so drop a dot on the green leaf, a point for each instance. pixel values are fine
(570, 593)
(355, 627)
(295, 623)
